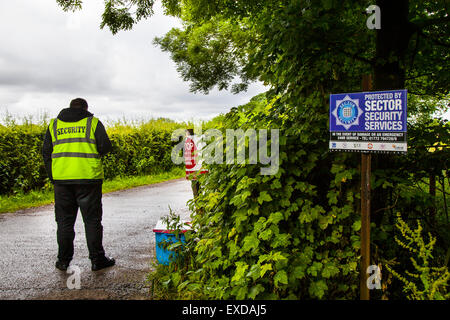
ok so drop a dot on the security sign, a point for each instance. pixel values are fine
(369, 121)
(192, 156)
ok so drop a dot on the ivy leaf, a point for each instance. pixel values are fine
(245, 195)
(298, 273)
(275, 217)
(356, 225)
(264, 196)
(278, 256)
(241, 267)
(236, 200)
(255, 290)
(275, 184)
(332, 197)
(329, 270)
(324, 221)
(265, 235)
(317, 289)
(241, 292)
(240, 215)
(250, 243)
(356, 242)
(315, 268)
(280, 277)
(281, 240)
(254, 272)
(264, 268)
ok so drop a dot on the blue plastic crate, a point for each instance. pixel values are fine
(162, 235)
(165, 256)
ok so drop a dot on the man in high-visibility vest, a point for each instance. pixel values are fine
(73, 145)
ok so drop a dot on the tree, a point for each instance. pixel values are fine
(411, 48)
(303, 50)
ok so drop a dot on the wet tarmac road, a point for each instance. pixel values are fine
(28, 246)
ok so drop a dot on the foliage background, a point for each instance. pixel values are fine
(295, 235)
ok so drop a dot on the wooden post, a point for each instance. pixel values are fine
(366, 161)
(365, 223)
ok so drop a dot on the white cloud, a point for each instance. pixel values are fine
(49, 57)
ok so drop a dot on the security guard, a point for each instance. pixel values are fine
(73, 145)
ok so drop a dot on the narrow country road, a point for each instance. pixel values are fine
(28, 246)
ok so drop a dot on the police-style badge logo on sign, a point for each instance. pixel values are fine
(347, 112)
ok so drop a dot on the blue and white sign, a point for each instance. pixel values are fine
(368, 121)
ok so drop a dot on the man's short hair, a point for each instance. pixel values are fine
(79, 103)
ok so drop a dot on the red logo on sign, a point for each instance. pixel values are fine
(370, 146)
(189, 153)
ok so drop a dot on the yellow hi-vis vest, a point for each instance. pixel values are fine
(75, 155)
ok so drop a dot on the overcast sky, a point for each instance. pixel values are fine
(48, 57)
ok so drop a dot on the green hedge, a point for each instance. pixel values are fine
(21, 165)
(137, 150)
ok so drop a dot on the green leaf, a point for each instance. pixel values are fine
(241, 267)
(254, 272)
(275, 217)
(356, 225)
(329, 270)
(250, 243)
(324, 221)
(176, 277)
(317, 289)
(280, 277)
(298, 272)
(266, 234)
(315, 268)
(255, 291)
(245, 195)
(276, 184)
(264, 268)
(281, 240)
(264, 196)
(236, 200)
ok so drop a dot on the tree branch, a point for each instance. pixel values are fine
(421, 24)
(434, 40)
(359, 58)
(419, 76)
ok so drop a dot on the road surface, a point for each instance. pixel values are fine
(28, 247)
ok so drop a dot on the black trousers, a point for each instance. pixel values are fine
(87, 197)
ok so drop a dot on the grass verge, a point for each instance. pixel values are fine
(43, 197)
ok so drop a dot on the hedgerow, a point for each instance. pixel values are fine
(21, 165)
(137, 150)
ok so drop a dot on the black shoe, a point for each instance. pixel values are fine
(62, 265)
(107, 262)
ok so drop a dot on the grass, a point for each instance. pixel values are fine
(43, 197)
